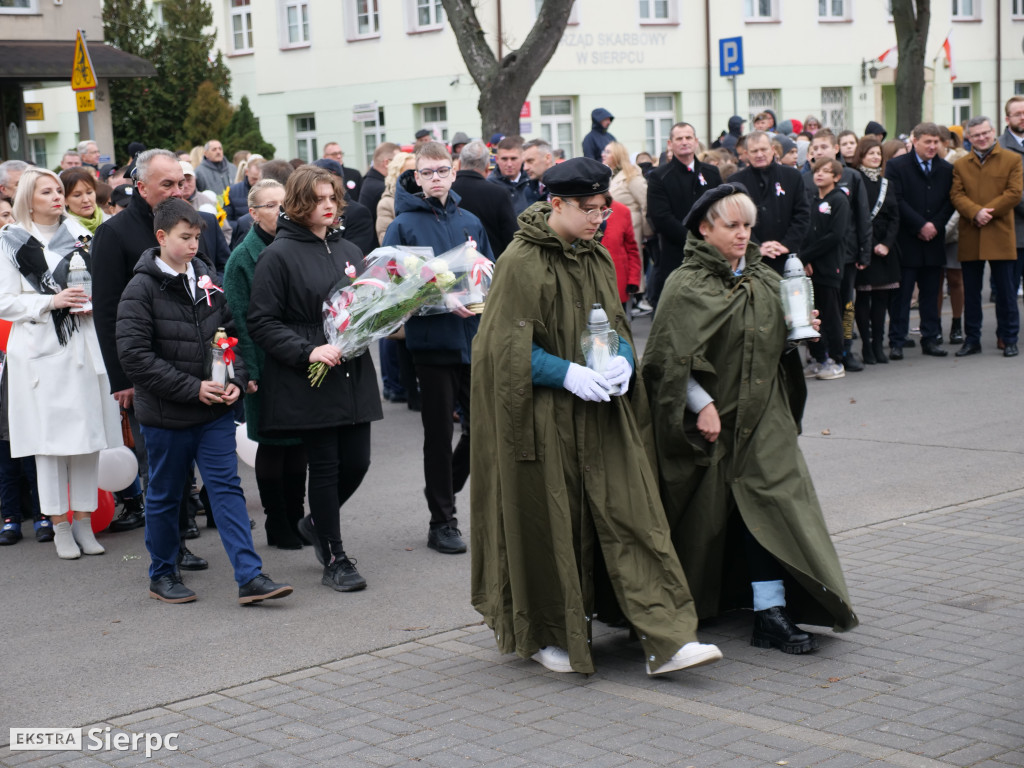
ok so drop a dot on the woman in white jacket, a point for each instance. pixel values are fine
(60, 406)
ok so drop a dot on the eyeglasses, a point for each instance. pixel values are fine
(266, 205)
(594, 214)
(429, 173)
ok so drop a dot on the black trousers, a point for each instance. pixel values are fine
(445, 470)
(870, 308)
(826, 301)
(338, 460)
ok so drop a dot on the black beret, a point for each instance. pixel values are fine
(709, 198)
(579, 177)
(330, 165)
(422, 132)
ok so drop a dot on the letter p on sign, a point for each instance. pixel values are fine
(730, 56)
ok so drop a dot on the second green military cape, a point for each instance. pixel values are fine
(553, 475)
(730, 333)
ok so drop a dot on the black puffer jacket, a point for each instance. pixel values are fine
(294, 275)
(163, 339)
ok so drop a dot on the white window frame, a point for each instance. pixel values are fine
(32, 7)
(436, 123)
(243, 14)
(157, 9)
(305, 28)
(830, 15)
(412, 16)
(654, 140)
(1018, 88)
(552, 121)
(1017, 10)
(33, 153)
(752, 13)
(353, 14)
(305, 136)
(959, 10)
(374, 135)
(647, 12)
(574, 14)
(961, 103)
(828, 112)
(762, 103)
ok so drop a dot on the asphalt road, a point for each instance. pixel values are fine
(84, 643)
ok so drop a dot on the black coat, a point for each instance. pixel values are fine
(237, 200)
(239, 230)
(358, 226)
(921, 199)
(857, 246)
(293, 277)
(883, 270)
(369, 195)
(672, 189)
(353, 181)
(824, 245)
(116, 248)
(214, 244)
(783, 210)
(491, 205)
(163, 340)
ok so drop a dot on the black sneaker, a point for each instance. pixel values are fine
(190, 562)
(10, 533)
(309, 535)
(342, 575)
(170, 589)
(262, 588)
(44, 530)
(446, 540)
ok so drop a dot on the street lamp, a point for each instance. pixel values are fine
(866, 70)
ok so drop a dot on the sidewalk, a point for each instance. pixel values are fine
(932, 677)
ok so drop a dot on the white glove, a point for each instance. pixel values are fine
(586, 384)
(619, 372)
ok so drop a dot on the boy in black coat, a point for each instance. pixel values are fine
(166, 322)
(822, 255)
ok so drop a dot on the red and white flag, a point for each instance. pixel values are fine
(947, 49)
(890, 58)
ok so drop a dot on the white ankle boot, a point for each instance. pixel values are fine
(82, 531)
(64, 540)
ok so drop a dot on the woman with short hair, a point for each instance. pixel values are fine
(80, 196)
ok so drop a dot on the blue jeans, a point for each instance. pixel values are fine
(171, 453)
(1007, 315)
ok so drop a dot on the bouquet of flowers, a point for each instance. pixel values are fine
(396, 284)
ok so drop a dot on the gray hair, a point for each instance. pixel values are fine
(145, 158)
(976, 121)
(70, 153)
(9, 167)
(83, 146)
(544, 147)
(206, 146)
(474, 156)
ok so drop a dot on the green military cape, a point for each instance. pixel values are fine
(729, 333)
(565, 506)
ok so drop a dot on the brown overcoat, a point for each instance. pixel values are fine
(997, 183)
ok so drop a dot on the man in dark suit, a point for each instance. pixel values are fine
(921, 181)
(489, 202)
(672, 189)
(373, 181)
(783, 210)
(353, 179)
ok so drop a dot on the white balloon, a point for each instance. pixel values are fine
(244, 447)
(118, 468)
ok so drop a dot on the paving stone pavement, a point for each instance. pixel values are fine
(933, 677)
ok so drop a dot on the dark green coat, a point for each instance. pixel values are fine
(237, 288)
(560, 485)
(729, 332)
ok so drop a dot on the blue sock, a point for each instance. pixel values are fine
(768, 594)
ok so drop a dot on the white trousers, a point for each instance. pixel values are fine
(56, 473)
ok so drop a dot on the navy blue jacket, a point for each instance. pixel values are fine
(921, 199)
(237, 204)
(523, 192)
(598, 138)
(437, 339)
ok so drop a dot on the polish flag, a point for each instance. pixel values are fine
(947, 49)
(890, 58)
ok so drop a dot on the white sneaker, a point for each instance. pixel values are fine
(812, 369)
(831, 370)
(690, 655)
(554, 658)
(644, 305)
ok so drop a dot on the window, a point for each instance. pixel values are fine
(434, 117)
(158, 14)
(362, 19)
(659, 116)
(241, 26)
(658, 11)
(425, 15)
(373, 136)
(835, 105)
(574, 14)
(305, 138)
(294, 23)
(966, 10)
(761, 10)
(19, 6)
(963, 103)
(833, 10)
(759, 101)
(1018, 9)
(1018, 88)
(37, 151)
(556, 123)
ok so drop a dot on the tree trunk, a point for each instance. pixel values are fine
(504, 85)
(911, 19)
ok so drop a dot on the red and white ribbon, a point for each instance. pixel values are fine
(207, 285)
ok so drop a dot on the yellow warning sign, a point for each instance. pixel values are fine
(86, 101)
(83, 78)
(34, 110)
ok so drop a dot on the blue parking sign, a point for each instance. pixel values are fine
(730, 56)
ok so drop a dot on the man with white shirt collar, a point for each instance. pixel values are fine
(672, 189)
(1013, 140)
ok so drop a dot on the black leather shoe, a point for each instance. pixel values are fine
(192, 531)
(956, 336)
(128, 520)
(969, 348)
(851, 363)
(170, 589)
(262, 588)
(189, 562)
(774, 629)
(909, 343)
(1010, 350)
(895, 353)
(933, 349)
(342, 575)
(446, 540)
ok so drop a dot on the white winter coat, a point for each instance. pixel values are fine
(60, 401)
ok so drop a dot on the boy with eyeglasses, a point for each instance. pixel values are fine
(428, 214)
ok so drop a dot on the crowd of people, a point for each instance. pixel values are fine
(208, 277)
